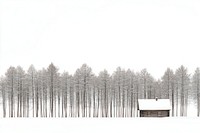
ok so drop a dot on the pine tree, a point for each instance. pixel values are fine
(182, 78)
(196, 89)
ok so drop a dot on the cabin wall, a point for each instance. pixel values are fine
(154, 113)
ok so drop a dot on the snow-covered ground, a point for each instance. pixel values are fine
(100, 125)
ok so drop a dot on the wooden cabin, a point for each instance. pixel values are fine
(154, 107)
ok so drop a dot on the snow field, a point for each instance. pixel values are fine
(100, 125)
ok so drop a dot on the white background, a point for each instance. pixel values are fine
(136, 34)
(105, 34)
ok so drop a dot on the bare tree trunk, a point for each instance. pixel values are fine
(182, 97)
(71, 100)
(98, 102)
(177, 101)
(198, 103)
(51, 94)
(172, 99)
(18, 99)
(90, 101)
(12, 99)
(41, 101)
(137, 89)
(78, 104)
(36, 100)
(3, 97)
(145, 89)
(4, 101)
(25, 105)
(111, 107)
(185, 103)
(58, 102)
(131, 104)
(33, 94)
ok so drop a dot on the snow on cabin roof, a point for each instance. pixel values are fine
(153, 104)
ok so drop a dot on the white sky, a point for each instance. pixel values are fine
(136, 34)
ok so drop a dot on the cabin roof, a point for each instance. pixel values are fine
(153, 104)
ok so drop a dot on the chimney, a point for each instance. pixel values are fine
(156, 98)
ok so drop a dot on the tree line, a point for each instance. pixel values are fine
(48, 93)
